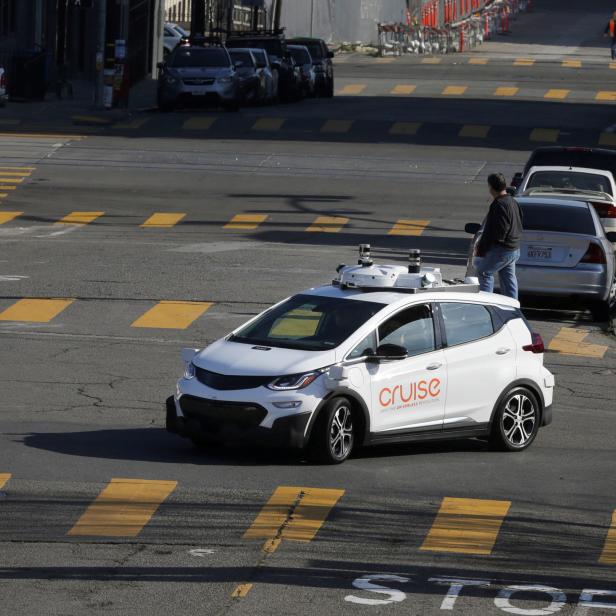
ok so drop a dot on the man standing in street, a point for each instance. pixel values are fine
(498, 248)
(610, 30)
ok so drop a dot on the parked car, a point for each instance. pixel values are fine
(564, 253)
(252, 83)
(303, 60)
(322, 63)
(264, 68)
(4, 96)
(276, 47)
(581, 183)
(172, 37)
(592, 158)
(198, 75)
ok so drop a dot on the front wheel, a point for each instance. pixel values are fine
(516, 421)
(334, 433)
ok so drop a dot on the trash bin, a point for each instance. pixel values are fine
(28, 75)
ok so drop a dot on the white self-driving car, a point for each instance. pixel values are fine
(384, 354)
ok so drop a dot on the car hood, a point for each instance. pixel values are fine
(238, 359)
(201, 71)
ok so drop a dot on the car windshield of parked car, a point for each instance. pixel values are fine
(260, 58)
(315, 50)
(561, 219)
(570, 180)
(308, 323)
(191, 57)
(242, 56)
(272, 46)
(301, 56)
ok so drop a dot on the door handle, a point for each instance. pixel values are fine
(434, 366)
(503, 351)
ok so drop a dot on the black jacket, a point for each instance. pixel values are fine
(502, 227)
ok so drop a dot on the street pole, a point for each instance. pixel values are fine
(101, 41)
(312, 19)
(197, 17)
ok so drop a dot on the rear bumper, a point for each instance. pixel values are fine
(588, 283)
(235, 422)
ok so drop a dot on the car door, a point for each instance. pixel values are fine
(480, 360)
(409, 394)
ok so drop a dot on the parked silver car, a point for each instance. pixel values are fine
(252, 82)
(269, 75)
(198, 75)
(303, 61)
(564, 253)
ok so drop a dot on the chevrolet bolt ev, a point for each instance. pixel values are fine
(382, 355)
(198, 76)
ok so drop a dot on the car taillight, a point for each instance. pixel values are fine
(605, 210)
(594, 254)
(536, 346)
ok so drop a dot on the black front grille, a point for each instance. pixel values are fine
(198, 82)
(213, 414)
(224, 382)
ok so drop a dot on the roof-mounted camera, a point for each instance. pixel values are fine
(365, 256)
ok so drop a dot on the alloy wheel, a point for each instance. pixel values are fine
(519, 419)
(341, 432)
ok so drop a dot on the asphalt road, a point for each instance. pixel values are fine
(84, 381)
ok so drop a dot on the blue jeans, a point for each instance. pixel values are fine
(499, 260)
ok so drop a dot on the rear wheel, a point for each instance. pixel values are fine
(334, 433)
(516, 421)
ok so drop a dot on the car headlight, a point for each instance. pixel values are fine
(225, 79)
(170, 80)
(294, 381)
(189, 372)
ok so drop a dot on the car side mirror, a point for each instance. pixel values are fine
(330, 54)
(472, 228)
(388, 352)
(611, 237)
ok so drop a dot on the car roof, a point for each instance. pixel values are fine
(570, 168)
(391, 297)
(553, 202)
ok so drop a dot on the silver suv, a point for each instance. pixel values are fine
(194, 75)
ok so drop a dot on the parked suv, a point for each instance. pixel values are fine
(384, 354)
(322, 62)
(198, 75)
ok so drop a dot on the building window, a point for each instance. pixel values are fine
(7, 17)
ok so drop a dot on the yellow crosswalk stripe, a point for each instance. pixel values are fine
(352, 89)
(7, 187)
(606, 95)
(454, 90)
(163, 220)
(506, 91)
(35, 310)
(524, 62)
(8, 216)
(403, 89)
(2, 195)
(475, 131)
(607, 139)
(294, 513)
(337, 126)
(328, 224)
(608, 556)
(172, 315)
(404, 128)
(135, 124)
(466, 525)
(246, 222)
(431, 60)
(409, 227)
(20, 168)
(544, 134)
(268, 124)
(123, 508)
(80, 218)
(199, 123)
(4, 477)
(11, 180)
(386, 60)
(570, 341)
(557, 94)
(241, 591)
(572, 64)
(481, 61)
(613, 65)
(15, 174)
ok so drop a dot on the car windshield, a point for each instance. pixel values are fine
(242, 56)
(260, 58)
(301, 56)
(272, 46)
(570, 180)
(191, 57)
(308, 323)
(314, 48)
(561, 219)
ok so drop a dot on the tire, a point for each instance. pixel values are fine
(600, 311)
(171, 416)
(166, 107)
(329, 90)
(334, 433)
(516, 421)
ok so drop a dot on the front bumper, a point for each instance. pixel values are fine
(234, 422)
(199, 94)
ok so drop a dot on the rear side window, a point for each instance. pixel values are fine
(466, 322)
(570, 180)
(556, 218)
(569, 158)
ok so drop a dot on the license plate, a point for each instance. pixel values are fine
(539, 252)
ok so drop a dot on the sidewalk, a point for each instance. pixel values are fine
(78, 111)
